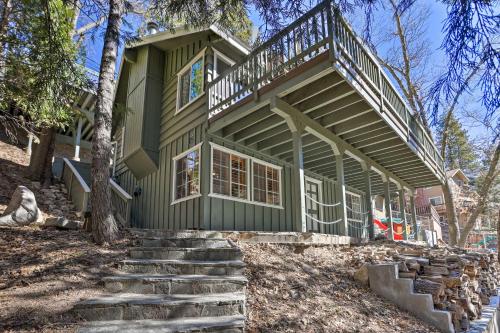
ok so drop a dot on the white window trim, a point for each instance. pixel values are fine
(199, 55)
(218, 54)
(320, 192)
(250, 161)
(174, 168)
(256, 160)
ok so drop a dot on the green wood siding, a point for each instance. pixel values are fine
(152, 208)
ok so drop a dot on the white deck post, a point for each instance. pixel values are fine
(388, 208)
(368, 200)
(78, 139)
(401, 193)
(342, 208)
(298, 181)
(413, 209)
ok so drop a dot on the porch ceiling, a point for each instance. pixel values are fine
(336, 105)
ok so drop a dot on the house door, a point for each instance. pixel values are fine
(313, 209)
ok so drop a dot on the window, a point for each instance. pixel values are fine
(221, 63)
(353, 201)
(229, 174)
(231, 178)
(190, 82)
(435, 201)
(187, 174)
(266, 184)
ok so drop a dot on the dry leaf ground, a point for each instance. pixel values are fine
(313, 291)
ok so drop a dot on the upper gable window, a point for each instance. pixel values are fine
(190, 82)
(221, 63)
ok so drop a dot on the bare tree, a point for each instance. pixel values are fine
(491, 175)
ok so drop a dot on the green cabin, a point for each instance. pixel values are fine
(298, 134)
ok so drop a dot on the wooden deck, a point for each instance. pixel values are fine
(326, 79)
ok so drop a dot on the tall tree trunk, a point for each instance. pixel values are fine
(4, 24)
(449, 200)
(483, 195)
(498, 236)
(104, 228)
(451, 211)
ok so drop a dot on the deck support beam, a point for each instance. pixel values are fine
(413, 209)
(285, 110)
(297, 127)
(342, 208)
(368, 200)
(388, 208)
(401, 194)
(298, 182)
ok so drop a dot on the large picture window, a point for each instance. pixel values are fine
(187, 174)
(190, 85)
(232, 174)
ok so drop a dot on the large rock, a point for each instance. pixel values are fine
(22, 209)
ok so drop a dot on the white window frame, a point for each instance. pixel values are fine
(230, 152)
(218, 54)
(174, 174)
(250, 161)
(280, 169)
(200, 55)
(436, 197)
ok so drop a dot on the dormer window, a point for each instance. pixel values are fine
(190, 82)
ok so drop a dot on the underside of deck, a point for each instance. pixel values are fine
(321, 93)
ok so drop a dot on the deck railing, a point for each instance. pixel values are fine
(320, 30)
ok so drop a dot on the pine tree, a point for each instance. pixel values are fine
(459, 149)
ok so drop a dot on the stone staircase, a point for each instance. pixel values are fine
(187, 281)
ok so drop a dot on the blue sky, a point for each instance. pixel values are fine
(434, 35)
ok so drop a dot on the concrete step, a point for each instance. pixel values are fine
(174, 284)
(184, 242)
(183, 267)
(225, 324)
(163, 307)
(176, 233)
(223, 253)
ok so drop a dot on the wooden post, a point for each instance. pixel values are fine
(298, 182)
(368, 202)
(388, 208)
(413, 209)
(342, 208)
(78, 139)
(401, 193)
